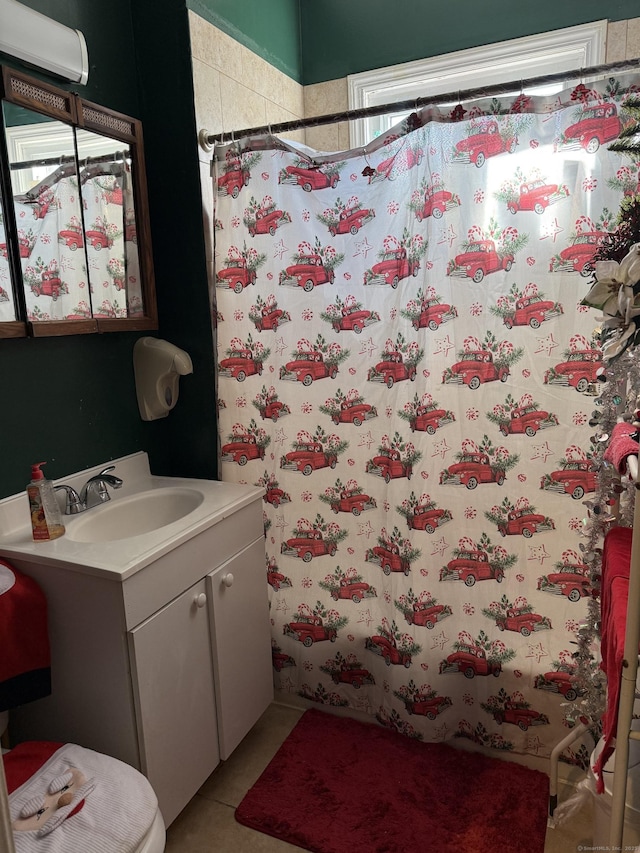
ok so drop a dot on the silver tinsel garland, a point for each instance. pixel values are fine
(611, 503)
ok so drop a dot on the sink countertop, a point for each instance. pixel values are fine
(119, 559)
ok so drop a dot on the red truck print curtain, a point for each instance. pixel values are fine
(51, 237)
(405, 366)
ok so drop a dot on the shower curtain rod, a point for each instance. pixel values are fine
(68, 158)
(208, 140)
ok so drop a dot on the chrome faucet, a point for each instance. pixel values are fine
(93, 493)
(95, 490)
(73, 505)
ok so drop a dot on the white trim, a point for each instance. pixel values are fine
(547, 53)
(49, 139)
(45, 139)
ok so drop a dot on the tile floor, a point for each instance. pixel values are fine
(208, 825)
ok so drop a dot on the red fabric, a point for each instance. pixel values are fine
(26, 759)
(337, 784)
(620, 446)
(616, 560)
(24, 637)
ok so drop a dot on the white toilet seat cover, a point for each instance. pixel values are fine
(119, 805)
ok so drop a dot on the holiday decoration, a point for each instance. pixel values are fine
(628, 141)
(614, 292)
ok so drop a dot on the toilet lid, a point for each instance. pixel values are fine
(82, 800)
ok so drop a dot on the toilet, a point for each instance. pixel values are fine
(84, 799)
(62, 797)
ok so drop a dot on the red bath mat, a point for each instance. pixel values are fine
(337, 785)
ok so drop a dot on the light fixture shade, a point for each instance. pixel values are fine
(43, 42)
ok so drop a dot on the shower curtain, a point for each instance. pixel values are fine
(53, 232)
(405, 366)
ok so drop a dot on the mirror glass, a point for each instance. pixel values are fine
(7, 300)
(47, 208)
(106, 185)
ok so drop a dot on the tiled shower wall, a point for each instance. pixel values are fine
(234, 89)
(623, 40)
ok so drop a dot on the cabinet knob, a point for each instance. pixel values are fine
(227, 580)
(200, 600)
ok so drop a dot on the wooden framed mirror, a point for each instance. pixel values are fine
(77, 242)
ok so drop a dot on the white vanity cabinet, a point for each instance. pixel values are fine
(168, 667)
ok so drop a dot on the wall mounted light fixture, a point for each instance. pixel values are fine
(43, 42)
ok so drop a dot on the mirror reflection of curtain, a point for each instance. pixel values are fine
(404, 365)
(103, 200)
(52, 248)
(110, 229)
(51, 245)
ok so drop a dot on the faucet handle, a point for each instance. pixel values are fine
(111, 479)
(95, 492)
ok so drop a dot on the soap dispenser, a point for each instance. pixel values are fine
(158, 366)
(46, 518)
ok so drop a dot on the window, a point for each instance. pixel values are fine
(548, 53)
(30, 142)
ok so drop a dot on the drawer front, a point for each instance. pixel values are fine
(158, 583)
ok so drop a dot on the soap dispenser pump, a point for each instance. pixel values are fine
(158, 366)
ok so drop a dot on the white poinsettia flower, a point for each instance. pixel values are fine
(611, 276)
(604, 293)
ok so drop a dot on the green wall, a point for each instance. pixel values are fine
(71, 400)
(341, 37)
(185, 443)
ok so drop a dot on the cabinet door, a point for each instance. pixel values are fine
(175, 703)
(242, 644)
